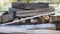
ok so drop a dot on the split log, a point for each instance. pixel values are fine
(43, 19)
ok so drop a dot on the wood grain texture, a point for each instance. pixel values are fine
(41, 31)
(34, 12)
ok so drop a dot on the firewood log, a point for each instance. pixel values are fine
(54, 18)
(43, 19)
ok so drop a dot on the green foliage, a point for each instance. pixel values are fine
(48, 1)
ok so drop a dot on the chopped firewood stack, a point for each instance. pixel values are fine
(30, 10)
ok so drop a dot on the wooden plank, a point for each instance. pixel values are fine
(34, 12)
(41, 31)
(37, 10)
(30, 5)
(38, 31)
